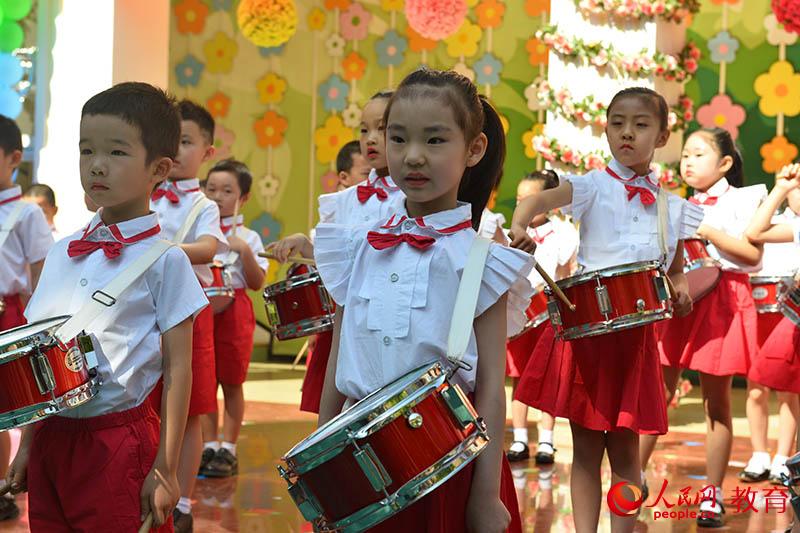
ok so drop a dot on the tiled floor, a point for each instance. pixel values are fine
(257, 501)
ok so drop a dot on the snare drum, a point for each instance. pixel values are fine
(702, 271)
(611, 299)
(536, 311)
(789, 302)
(300, 305)
(384, 453)
(220, 293)
(39, 377)
(767, 292)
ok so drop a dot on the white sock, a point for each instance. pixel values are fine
(758, 462)
(521, 435)
(211, 445)
(517, 446)
(184, 505)
(230, 446)
(778, 466)
(712, 505)
(546, 435)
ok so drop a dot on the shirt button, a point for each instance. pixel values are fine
(84, 282)
(103, 232)
(636, 219)
(394, 277)
(387, 341)
(633, 247)
(408, 225)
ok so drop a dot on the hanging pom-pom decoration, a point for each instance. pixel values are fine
(788, 13)
(435, 19)
(267, 23)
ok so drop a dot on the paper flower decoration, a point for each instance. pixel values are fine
(487, 70)
(336, 4)
(270, 88)
(267, 22)
(267, 226)
(269, 129)
(329, 181)
(355, 22)
(353, 66)
(527, 139)
(330, 138)
(334, 93)
(535, 8)
(532, 96)
(435, 19)
(316, 19)
(787, 13)
(219, 53)
(537, 52)
(392, 5)
(779, 90)
(188, 71)
(269, 186)
(391, 49)
(721, 112)
(723, 47)
(218, 104)
(223, 142)
(776, 34)
(464, 42)
(777, 153)
(190, 16)
(417, 42)
(268, 51)
(335, 45)
(464, 70)
(352, 116)
(221, 5)
(490, 13)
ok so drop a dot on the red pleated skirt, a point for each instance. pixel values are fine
(13, 315)
(316, 366)
(606, 383)
(777, 364)
(519, 349)
(719, 337)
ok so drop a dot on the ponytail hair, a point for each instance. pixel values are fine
(474, 115)
(725, 146)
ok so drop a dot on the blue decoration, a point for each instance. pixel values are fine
(188, 71)
(10, 70)
(334, 93)
(391, 49)
(10, 103)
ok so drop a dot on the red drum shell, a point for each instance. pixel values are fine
(767, 291)
(296, 309)
(702, 271)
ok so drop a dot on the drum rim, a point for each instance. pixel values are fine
(70, 399)
(220, 292)
(610, 272)
(535, 322)
(621, 323)
(325, 323)
(23, 345)
(766, 309)
(294, 282)
(702, 262)
(790, 314)
(766, 280)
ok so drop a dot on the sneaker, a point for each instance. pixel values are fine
(711, 517)
(208, 455)
(545, 454)
(518, 451)
(8, 509)
(182, 523)
(224, 464)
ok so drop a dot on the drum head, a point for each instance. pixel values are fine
(46, 327)
(702, 281)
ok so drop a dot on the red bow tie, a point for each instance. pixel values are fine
(226, 229)
(539, 240)
(381, 241)
(170, 194)
(647, 197)
(709, 200)
(364, 193)
(81, 247)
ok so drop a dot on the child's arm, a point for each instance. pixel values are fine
(253, 273)
(740, 250)
(761, 229)
(201, 251)
(160, 491)
(36, 272)
(681, 299)
(535, 205)
(485, 512)
(292, 245)
(17, 476)
(332, 400)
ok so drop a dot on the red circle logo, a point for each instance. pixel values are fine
(619, 503)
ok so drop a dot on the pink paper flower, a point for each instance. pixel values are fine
(355, 22)
(721, 112)
(436, 19)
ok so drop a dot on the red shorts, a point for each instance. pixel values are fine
(316, 366)
(204, 377)
(233, 339)
(87, 474)
(12, 317)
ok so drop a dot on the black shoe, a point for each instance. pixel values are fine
(182, 523)
(645, 492)
(208, 455)
(8, 508)
(514, 456)
(753, 477)
(224, 464)
(711, 519)
(545, 457)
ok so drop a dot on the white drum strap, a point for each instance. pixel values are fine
(197, 206)
(466, 300)
(663, 208)
(8, 224)
(103, 299)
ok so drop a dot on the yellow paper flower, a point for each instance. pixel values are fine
(271, 88)
(330, 138)
(777, 153)
(464, 42)
(472, 3)
(392, 5)
(504, 122)
(267, 23)
(779, 90)
(219, 52)
(316, 19)
(527, 140)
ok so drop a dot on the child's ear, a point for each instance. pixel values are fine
(663, 137)
(16, 158)
(209, 153)
(344, 177)
(725, 164)
(243, 199)
(161, 169)
(477, 149)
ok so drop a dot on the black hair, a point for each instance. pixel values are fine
(10, 136)
(655, 99)
(724, 145)
(474, 115)
(238, 169)
(151, 110)
(387, 93)
(344, 159)
(198, 114)
(548, 177)
(40, 190)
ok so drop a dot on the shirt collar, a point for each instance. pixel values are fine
(718, 189)
(8, 194)
(227, 222)
(385, 182)
(444, 222)
(627, 175)
(184, 186)
(126, 232)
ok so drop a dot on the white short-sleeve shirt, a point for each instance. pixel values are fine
(399, 301)
(253, 240)
(615, 230)
(171, 216)
(730, 209)
(781, 259)
(370, 200)
(556, 244)
(27, 243)
(128, 334)
(490, 222)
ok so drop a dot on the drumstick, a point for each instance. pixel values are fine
(147, 525)
(296, 259)
(556, 288)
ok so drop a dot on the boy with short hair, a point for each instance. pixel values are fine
(191, 220)
(351, 166)
(44, 196)
(113, 448)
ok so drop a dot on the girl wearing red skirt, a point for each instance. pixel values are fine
(556, 245)
(718, 339)
(610, 386)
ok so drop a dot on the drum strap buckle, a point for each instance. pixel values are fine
(106, 299)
